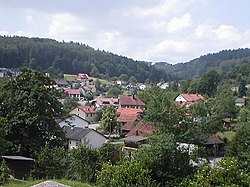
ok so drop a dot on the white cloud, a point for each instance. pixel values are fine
(65, 24)
(4, 33)
(177, 24)
(164, 7)
(111, 41)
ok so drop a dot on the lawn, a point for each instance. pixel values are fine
(21, 183)
(227, 134)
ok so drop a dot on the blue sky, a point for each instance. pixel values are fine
(152, 30)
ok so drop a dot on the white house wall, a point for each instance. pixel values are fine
(180, 99)
(94, 139)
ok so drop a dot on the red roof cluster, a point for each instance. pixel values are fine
(130, 100)
(87, 109)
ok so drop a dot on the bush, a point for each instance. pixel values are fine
(4, 172)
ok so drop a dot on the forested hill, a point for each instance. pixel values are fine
(59, 57)
(223, 61)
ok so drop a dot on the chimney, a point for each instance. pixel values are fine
(137, 133)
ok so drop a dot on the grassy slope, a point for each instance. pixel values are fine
(21, 183)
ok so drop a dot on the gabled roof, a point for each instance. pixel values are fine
(128, 126)
(210, 139)
(72, 91)
(107, 101)
(130, 100)
(76, 133)
(141, 129)
(61, 82)
(59, 120)
(192, 97)
(87, 109)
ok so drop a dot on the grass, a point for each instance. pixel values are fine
(227, 134)
(69, 77)
(22, 183)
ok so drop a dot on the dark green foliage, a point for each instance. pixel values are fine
(51, 163)
(55, 57)
(223, 61)
(29, 106)
(240, 146)
(227, 174)
(127, 174)
(83, 164)
(111, 153)
(4, 172)
(114, 91)
(70, 103)
(108, 120)
(167, 162)
(242, 89)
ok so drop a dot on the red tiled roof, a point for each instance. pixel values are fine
(72, 91)
(128, 114)
(128, 126)
(82, 76)
(130, 100)
(103, 101)
(192, 97)
(87, 109)
(141, 129)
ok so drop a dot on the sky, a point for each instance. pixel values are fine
(170, 31)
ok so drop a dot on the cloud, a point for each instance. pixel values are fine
(28, 19)
(4, 33)
(177, 24)
(65, 25)
(111, 41)
(164, 8)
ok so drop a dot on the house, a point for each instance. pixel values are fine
(239, 102)
(128, 116)
(61, 84)
(73, 93)
(188, 99)
(130, 101)
(74, 121)
(82, 76)
(77, 136)
(85, 112)
(101, 101)
(141, 129)
(142, 87)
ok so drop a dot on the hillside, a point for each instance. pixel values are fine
(223, 61)
(59, 57)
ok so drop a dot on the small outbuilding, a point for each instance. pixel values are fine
(20, 166)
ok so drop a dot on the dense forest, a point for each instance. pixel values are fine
(55, 57)
(223, 61)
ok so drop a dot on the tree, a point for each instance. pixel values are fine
(108, 120)
(51, 163)
(208, 83)
(227, 174)
(242, 89)
(29, 106)
(127, 174)
(133, 80)
(224, 104)
(167, 163)
(114, 91)
(83, 164)
(240, 146)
